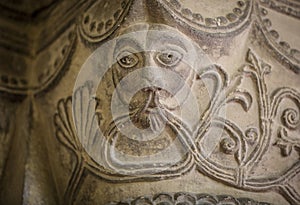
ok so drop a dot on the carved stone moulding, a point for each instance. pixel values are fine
(101, 19)
(211, 17)
(281, 39)
(105, 16)
(188, 198)
(32, 57)
(32, 74)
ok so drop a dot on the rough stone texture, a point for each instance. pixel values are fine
(50, 152)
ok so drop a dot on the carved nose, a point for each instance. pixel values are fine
(151, 96)
(152, 76)
(151, 89)
(152, 72)
(149, 60)
(149, 75)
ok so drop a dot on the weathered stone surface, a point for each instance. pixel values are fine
(150, 102)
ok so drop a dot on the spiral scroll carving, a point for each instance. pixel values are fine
(290, 118)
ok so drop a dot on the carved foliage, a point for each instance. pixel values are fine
(247, 147)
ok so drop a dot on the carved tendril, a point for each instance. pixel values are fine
(290, 118)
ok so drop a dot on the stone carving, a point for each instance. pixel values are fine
(256, 152)
(285, 7)
(56, 58)
(236, 18)
(36, 61)
(245, 148)
(282, 50)
(97, 24)
(229, 24)
(188, 198)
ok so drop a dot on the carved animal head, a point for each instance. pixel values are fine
(152, 74)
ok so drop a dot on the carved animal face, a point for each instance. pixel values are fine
(146, 116)
(157, 64)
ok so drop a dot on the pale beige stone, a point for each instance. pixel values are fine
(231, 136)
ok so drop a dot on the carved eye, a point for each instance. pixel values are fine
(127, 59)
(169, 58)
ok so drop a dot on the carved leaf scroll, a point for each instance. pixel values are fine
(247, 147)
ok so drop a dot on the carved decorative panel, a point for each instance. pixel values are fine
(150, 102)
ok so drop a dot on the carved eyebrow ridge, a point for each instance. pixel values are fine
(171, 40)
(127, 42)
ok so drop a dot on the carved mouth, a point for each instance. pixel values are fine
(149, 118)
(151, 110)
(149, 115)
